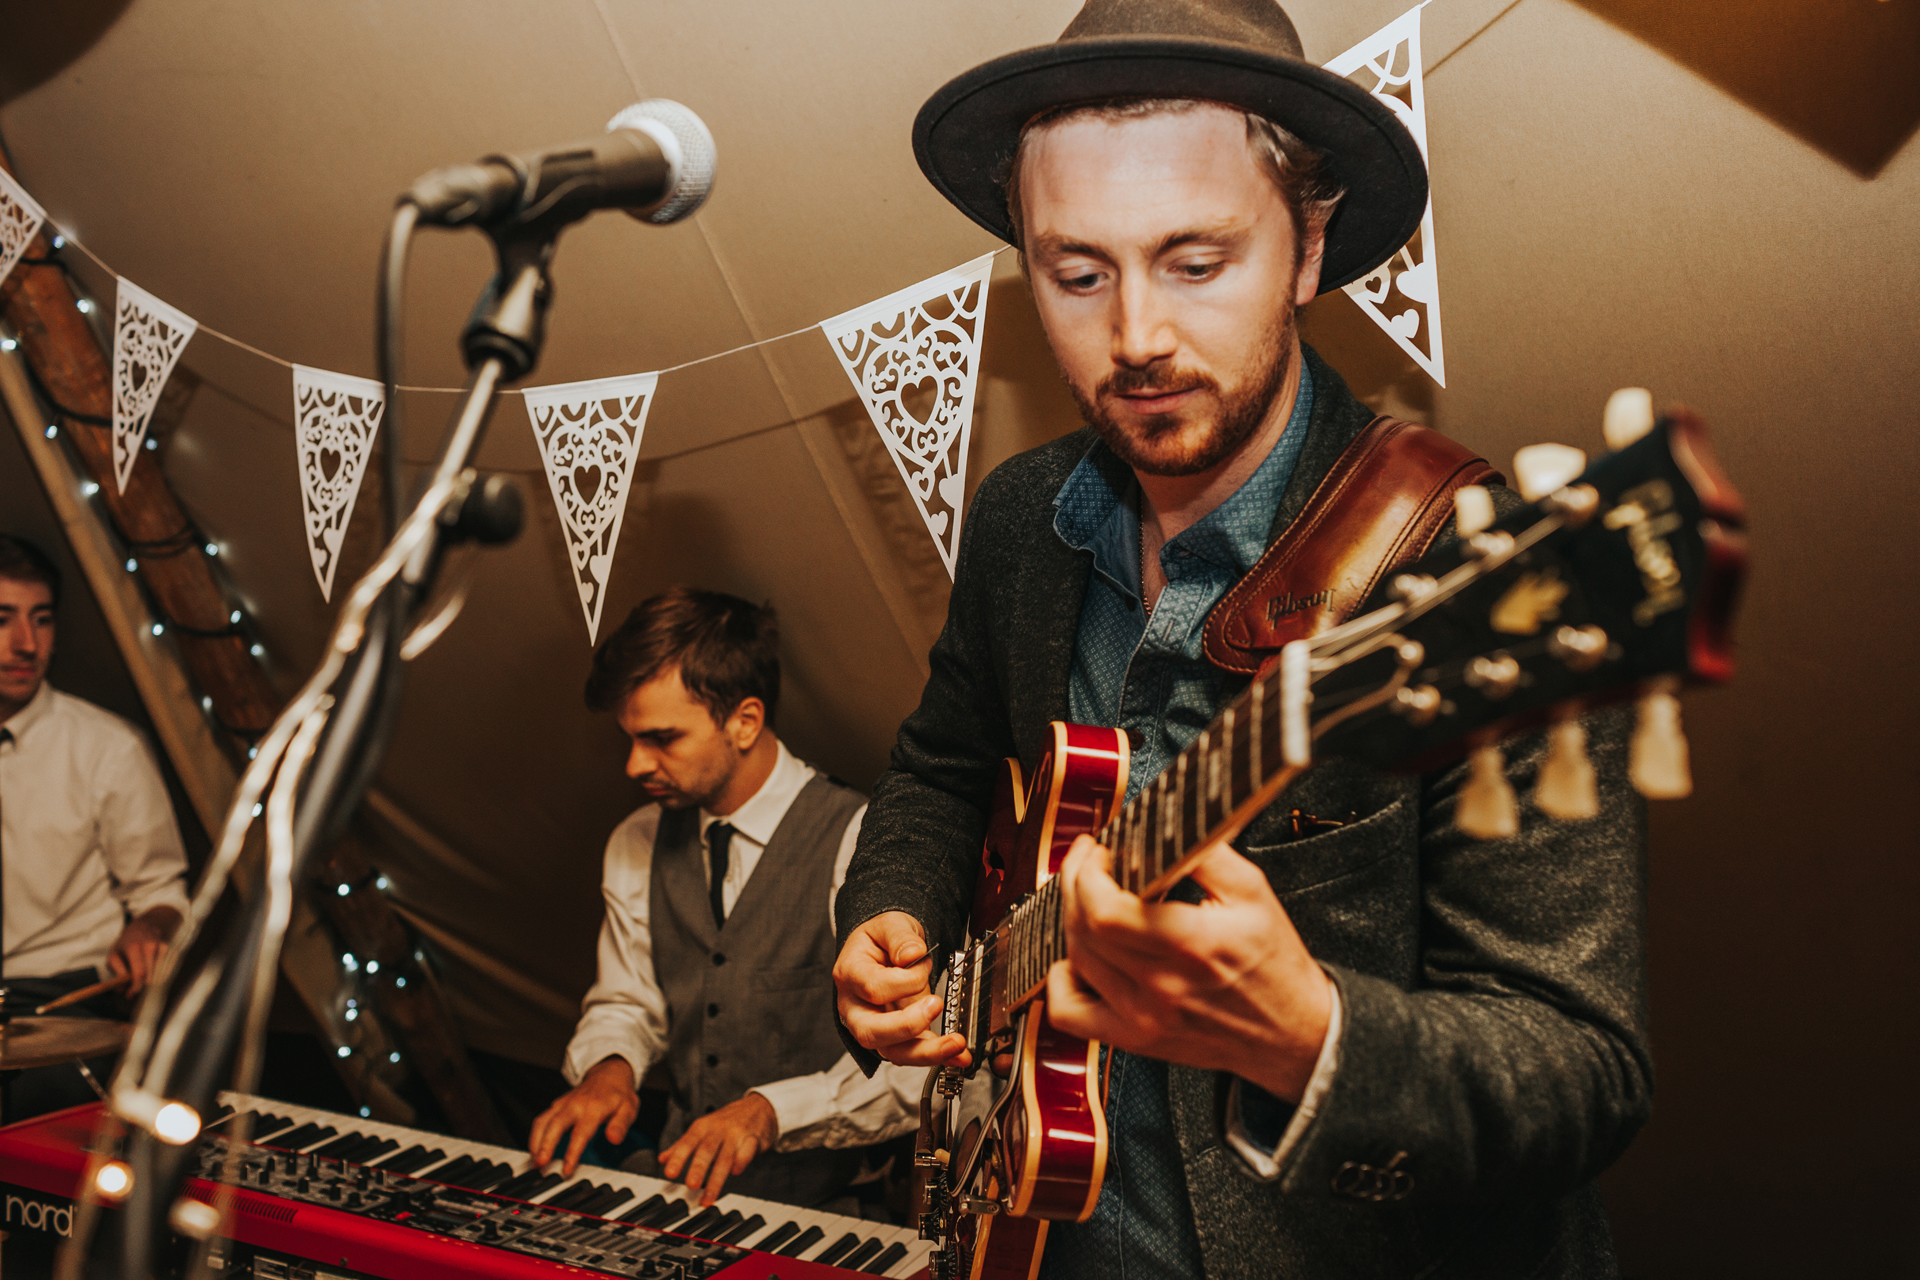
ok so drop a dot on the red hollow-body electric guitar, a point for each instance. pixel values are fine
(1619, 583)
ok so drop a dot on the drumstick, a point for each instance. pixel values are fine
(85, 993)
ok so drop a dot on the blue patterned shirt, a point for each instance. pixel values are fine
(1147, 675)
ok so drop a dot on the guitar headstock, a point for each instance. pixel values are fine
(1616, 581)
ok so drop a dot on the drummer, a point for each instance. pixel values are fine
(92, 870)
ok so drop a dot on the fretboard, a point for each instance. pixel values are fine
(1196, 795)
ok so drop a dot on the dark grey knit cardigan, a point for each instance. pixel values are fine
(1494, 995)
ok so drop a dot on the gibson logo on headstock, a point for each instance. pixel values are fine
(1287, 604)
(1646, 513)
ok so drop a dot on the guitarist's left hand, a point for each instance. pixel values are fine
(1225, 985)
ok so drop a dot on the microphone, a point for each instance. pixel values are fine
(655, 161)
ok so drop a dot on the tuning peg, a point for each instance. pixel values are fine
(1629, 415)
(1487, 807)
(1542, 468)
(1472, 508)
(1566, 787)
(1657, 756)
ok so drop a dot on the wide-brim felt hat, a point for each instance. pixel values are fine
(1244, 53)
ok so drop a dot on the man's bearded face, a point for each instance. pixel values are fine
(1166, 270)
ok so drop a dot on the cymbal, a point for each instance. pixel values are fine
(42, 1042)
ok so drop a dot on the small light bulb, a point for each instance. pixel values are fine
(152, 443)
(158, 629)
(373, 966)
(112, 1181)
(344, 890)
(259, 809)
(366, 1112)
(132, 564)
(52, 431)
(252, 752)
(399, 982)
(348, 963)
(258, 651)
(176, 1123)
(59, 242)
(344, 1052)
(206, 703)
(89, 488)
(380, 882)
(234, 616)
(86, 306)
(393, 1057)
(7, 344)
(212, 549)
(352, 1014)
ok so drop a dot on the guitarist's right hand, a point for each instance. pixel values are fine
(882, 979)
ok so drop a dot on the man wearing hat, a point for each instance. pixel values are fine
(1360, 1044)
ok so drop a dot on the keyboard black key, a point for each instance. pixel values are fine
(666, 1215)
(567, 1197)
(777, 1237)
(344, 1142)
(414, 1157)
(305, 1136)
(858, 1258)
(838, 1249)
(802, 1242)
(495, 1174)
(453, 1170)
(605, 1200)
(514, 1188)
(734, 1235)
(718, 1230)
(642, 1209)
(888, 1259)
(697, 1225)
(370, 1150)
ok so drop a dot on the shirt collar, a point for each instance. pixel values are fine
(1098, 508)
(38, 708)
(760, 815)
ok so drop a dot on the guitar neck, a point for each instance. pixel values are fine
(1212, 789)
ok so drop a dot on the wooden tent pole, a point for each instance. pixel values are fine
(63, 352)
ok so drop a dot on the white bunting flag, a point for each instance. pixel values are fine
(589, 435)
(914, 357)
(148, 336)
(335, 418)
(1388, 66)
(20, 220)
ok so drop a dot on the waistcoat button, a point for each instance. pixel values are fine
(713, 1011)
(713, 1059)
(719, 959)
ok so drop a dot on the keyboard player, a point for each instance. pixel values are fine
(716, 952)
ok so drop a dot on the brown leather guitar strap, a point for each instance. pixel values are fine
(1379, 509)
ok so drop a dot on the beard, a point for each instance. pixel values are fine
(1168, 444)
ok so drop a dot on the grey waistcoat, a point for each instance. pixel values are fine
(751, 1002)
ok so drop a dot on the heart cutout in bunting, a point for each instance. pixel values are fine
(335, 419)
(589, 436)
(148, 337)
(1387, 64)
(926, 335)
(20, 220)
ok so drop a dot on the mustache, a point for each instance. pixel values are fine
(1155, 379)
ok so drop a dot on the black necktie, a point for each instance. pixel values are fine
(719, 836)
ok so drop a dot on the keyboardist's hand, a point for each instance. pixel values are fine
(605, 1094)
(717, 1146)
(884, 1000)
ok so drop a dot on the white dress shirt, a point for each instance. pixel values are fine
(624, 1014)
(87, 835)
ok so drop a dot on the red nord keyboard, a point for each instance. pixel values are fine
(338, 1198)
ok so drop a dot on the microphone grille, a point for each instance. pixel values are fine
(688, 144)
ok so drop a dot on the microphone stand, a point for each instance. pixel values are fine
(311, 771)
